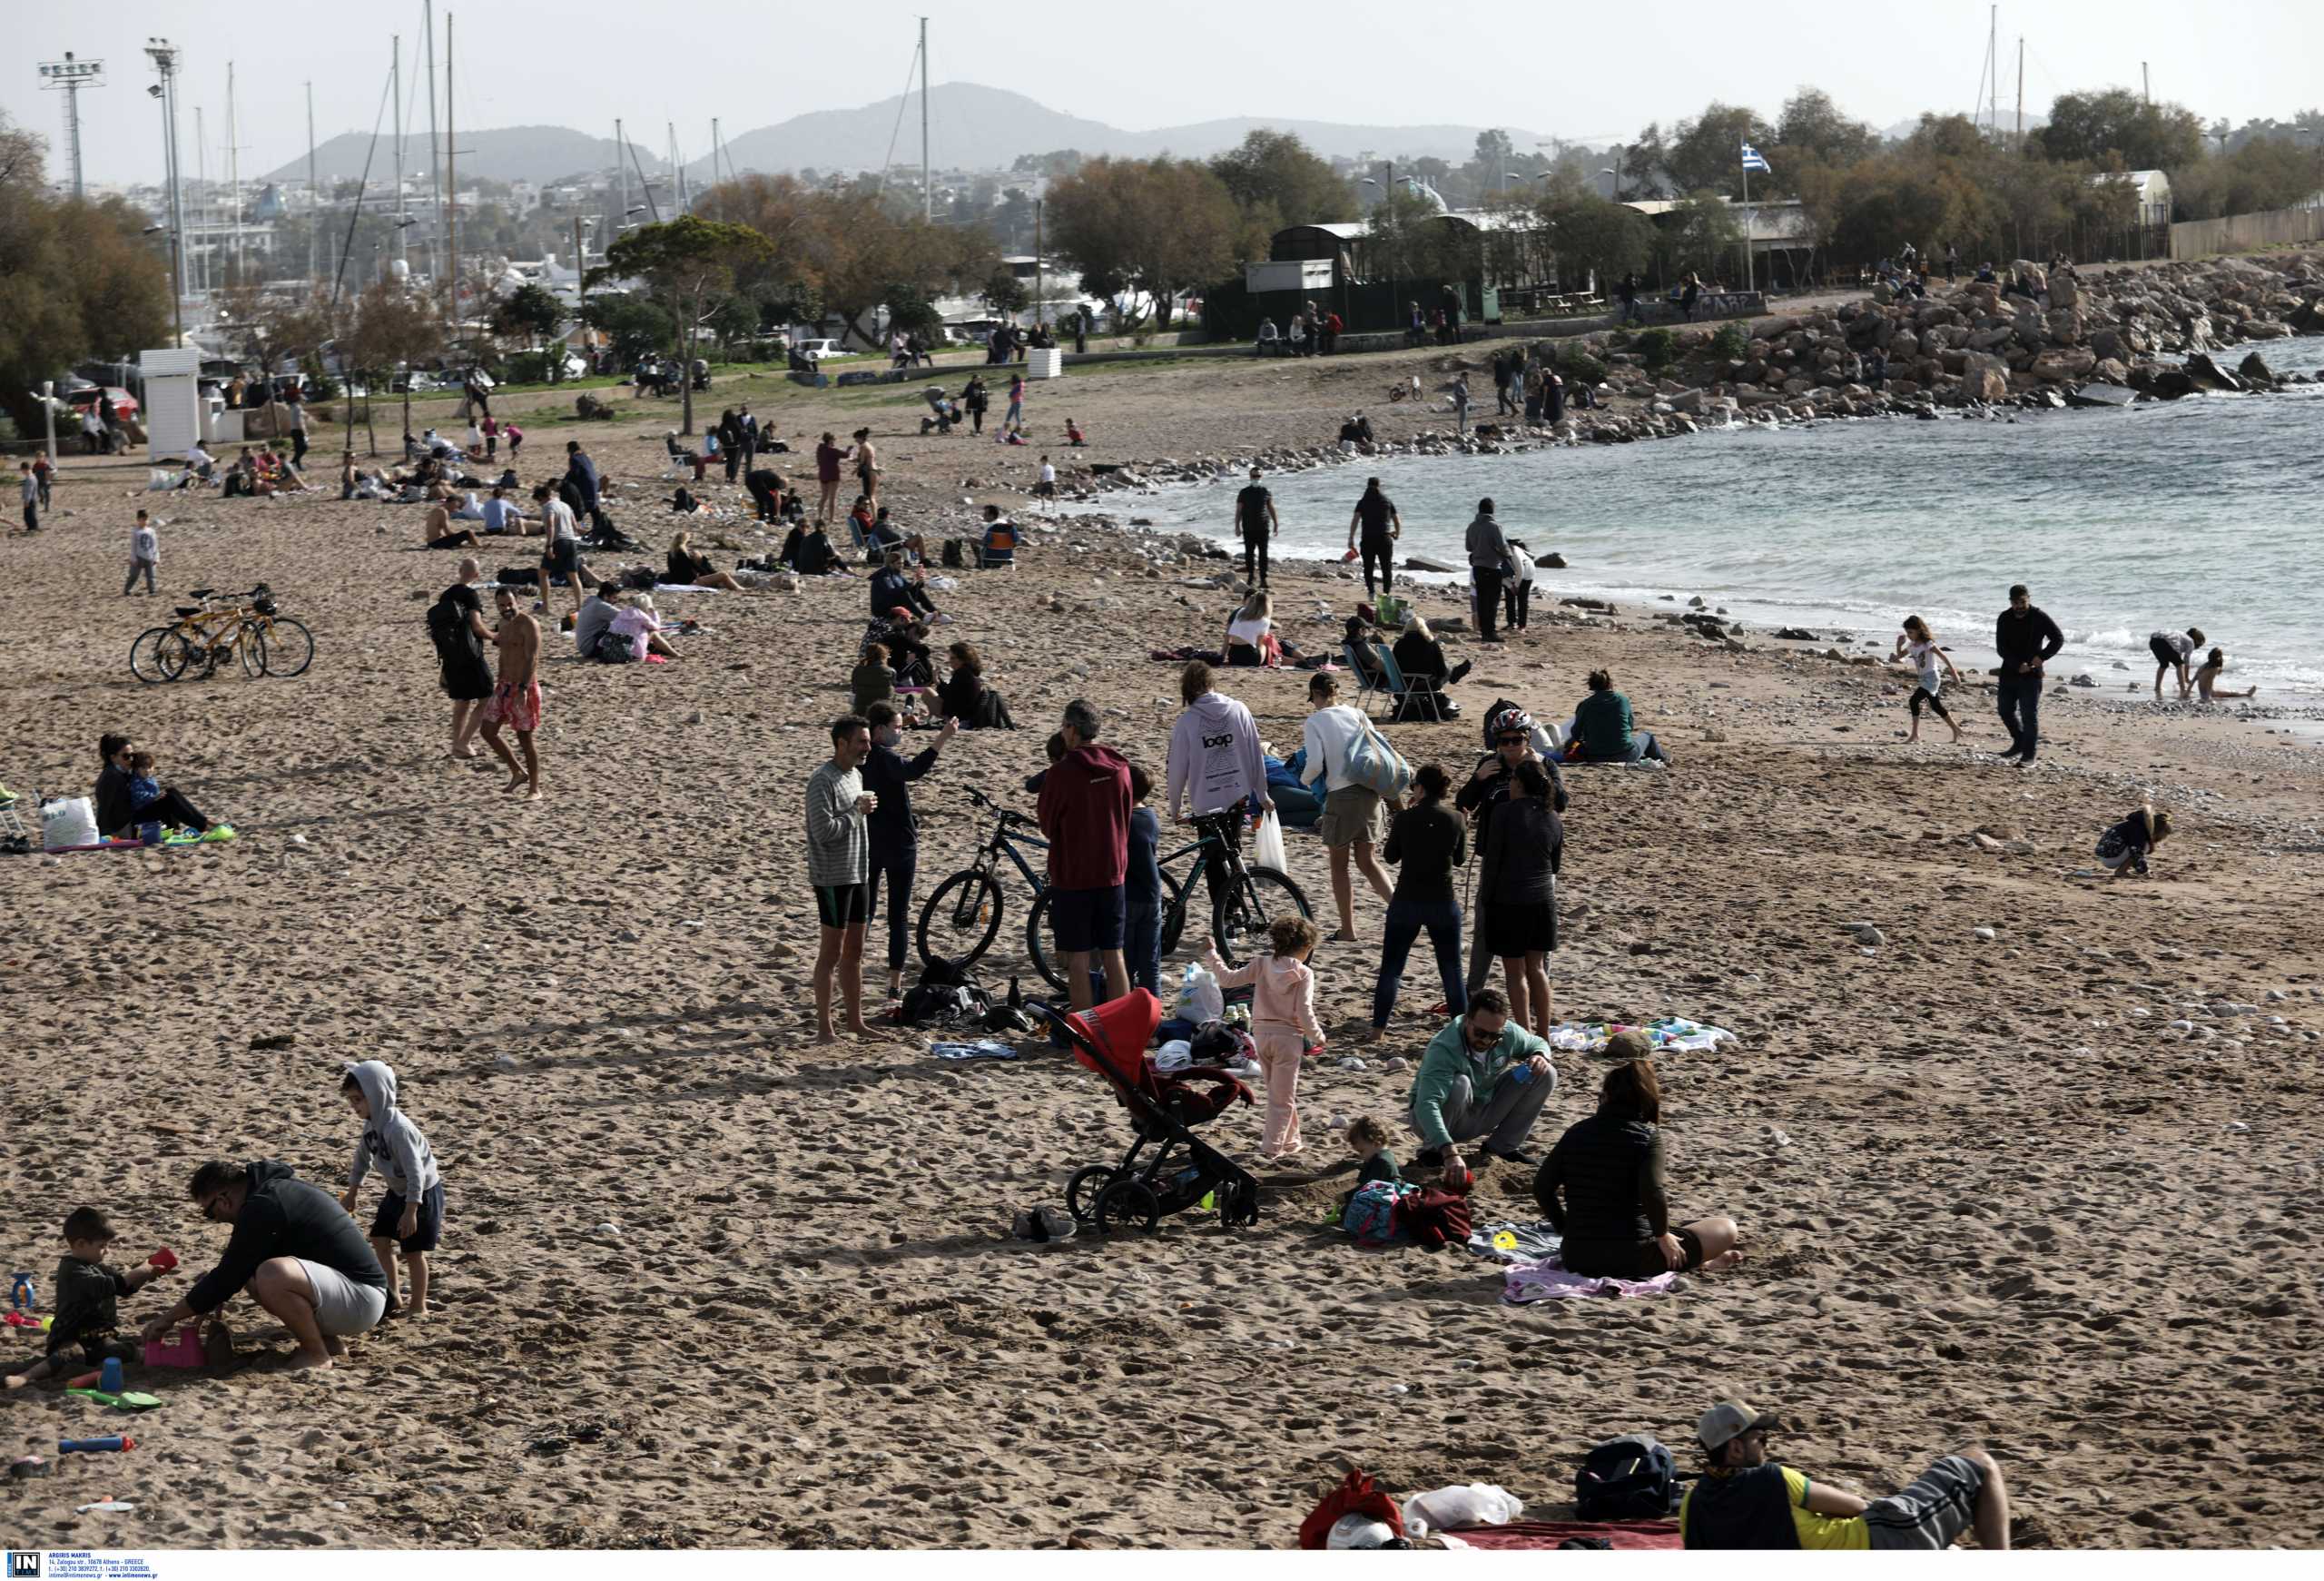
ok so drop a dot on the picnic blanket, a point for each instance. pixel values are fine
(1508, 1242)
(176, 839)
(1555, 1534)
(1524, 1283)
(1670, 1034)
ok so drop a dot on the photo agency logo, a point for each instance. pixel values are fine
(22, 1567)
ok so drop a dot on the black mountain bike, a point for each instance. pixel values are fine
(1249, 898)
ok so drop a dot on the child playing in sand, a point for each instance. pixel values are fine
(1283, 1022)
(2126, 845)
(516, 438)
(1919, 643)
(1073, 434)
(412, 1215)
(2207, 679)
(87, 1291)
(145, 790)
(1368, 1138)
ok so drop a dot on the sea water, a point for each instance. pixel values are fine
(2202, 512)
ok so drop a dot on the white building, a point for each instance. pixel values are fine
(2152, 189)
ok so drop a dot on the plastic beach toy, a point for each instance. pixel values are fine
(182, 1349)
(95, 1446)
(23, 1295)
(164, 1259)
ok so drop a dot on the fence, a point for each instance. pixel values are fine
(2238, 232)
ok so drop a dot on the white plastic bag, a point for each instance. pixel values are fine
(1266, 845)
(1475, 1504)
(67, 821)
(1200, 998)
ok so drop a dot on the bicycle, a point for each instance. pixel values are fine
(265, 641)
(969, 920)
(1241, 913)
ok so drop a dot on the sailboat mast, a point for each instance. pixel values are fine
(927, 190)
(435, 153)
(452, 205)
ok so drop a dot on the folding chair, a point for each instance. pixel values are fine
(998, 549)
(1366, 688)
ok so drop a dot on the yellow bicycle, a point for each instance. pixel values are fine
(201, 637)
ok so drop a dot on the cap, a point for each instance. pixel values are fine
(1730, 1419)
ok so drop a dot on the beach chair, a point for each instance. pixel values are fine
(1366, 688)
(1407, 701)
(999, 547)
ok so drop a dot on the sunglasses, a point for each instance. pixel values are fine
(1509, 740)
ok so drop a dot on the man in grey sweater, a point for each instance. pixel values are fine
(839, 864)
(1488, 559)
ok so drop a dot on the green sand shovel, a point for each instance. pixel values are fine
(127, 1400)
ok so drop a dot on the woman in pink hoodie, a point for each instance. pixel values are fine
(1283, 1022)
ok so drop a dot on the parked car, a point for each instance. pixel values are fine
(124, 405)
(816, 351)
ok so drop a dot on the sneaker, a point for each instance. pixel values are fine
(1515, 1155)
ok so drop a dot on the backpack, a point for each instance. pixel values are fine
(614, 649)
(1432, 1216)
(954, 554)
(1371, 1212)
(1375, 765)
(1633, 1478)
(445, 623)
(945, 994)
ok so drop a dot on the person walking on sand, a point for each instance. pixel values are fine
(2027, 640)
(455, 626)
(515, 701)
(829, 457)
(145, 556)
(1214, 764)
(2175, 650)
(29, 488)
(1426, 840)
(1350, 821)
(1917, 643)
(1488, 560)
(1376, 519)
(1013, 420)
(839, 868)
(1256, 521)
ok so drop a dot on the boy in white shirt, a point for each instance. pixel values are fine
(144, 555)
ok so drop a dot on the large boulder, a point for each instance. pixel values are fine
(2307, 319)
(2111, 370)
(2064, 290)
(2207, 374)
(2261, 329)
(2101, 395)
(1985, 377)
(2106, 342)
(2064, 326)
(2254, 369)
(2171, 383)
(2067, 362)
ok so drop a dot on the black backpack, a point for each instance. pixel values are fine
(1492, 717)
(943, 996)
(1633, 1478)
(952, 554)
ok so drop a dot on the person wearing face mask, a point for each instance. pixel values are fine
(887, 774)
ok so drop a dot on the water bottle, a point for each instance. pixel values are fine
(1522, 1071)
(95, 1446)
(109, 1379)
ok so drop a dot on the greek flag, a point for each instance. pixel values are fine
(1752, 160)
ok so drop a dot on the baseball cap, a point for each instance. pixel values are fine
(1730, 1419)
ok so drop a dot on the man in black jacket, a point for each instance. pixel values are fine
(2026, 639)
(296, 1253)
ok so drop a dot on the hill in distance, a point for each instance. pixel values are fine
(534, 154)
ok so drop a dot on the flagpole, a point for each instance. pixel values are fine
(1746, 227)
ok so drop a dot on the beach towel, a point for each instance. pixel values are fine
(982, 1048)
(177, 839)
(1527, 1282)
(1513, 1242)
(1670, 1034)
(1557, 1534)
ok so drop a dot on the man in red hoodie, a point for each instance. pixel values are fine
(1084, 811)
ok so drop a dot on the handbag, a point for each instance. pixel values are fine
(1375, 766)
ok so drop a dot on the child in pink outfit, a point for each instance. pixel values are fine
(1283, 1022)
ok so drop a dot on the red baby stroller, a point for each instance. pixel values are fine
(1178, 1172)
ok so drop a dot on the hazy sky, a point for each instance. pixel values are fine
(1585, 72)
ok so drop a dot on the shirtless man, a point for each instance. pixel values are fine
(515, 701)
(867, 465)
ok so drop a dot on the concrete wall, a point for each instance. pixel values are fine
(2240, 232)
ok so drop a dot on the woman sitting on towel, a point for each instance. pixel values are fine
(1604, 731)
(689, 569)
(1603, 1188)
(1251, 636)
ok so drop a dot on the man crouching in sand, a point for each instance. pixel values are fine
(515, 701)
(293, 1250)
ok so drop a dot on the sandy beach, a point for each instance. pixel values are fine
(702, 1284)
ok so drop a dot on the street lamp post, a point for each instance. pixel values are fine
(164, 56)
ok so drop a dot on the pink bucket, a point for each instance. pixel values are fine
(185, 1350)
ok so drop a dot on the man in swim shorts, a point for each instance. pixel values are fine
(516, 699)
(839, 863)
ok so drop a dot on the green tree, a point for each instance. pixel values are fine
(1277, 181)
(1004, 293)
(1812, 126)
(634, 324)
(1164, 225)
(394, 327)
(691, 262)
(1594, 234)
(1706, 155)
(2148, 136)
(529, 313)
(1702, 233)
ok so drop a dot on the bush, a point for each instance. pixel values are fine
(1731, 344)
(1579, 364)
(1658, 348)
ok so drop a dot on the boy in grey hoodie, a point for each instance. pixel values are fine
(411, 1214)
